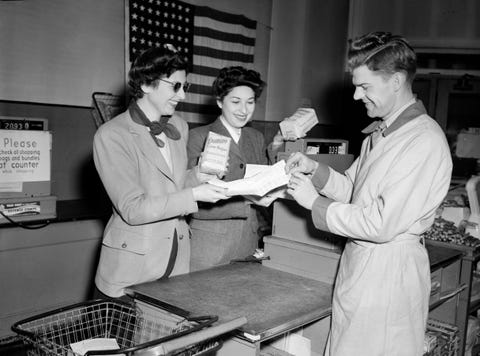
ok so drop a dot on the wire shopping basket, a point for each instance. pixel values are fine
(135, 331)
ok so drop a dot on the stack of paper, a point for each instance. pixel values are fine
(259, 180)
(297, 125)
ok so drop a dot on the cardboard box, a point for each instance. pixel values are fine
(301, 259)
(215, 154)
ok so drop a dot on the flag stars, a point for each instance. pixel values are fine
(165, 3)
(134, 16)
(165, 14)
(172, 36)
(157, 23)
(157, 34)
(142, 41)
(149, 21)
(165, 24)
(142, 18)
(150, 43)
(149, 32)
(142, 8)
(150, 10)
(134, 39)
(134, 28)
(134, 5)
(157, 13)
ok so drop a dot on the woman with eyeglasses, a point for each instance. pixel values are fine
(141, 158)
(228, 229)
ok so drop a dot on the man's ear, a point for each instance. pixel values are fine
(219, 103)
(399, 79)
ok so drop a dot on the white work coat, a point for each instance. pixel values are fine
(382, 203)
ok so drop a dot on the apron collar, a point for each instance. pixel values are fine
(410, 113)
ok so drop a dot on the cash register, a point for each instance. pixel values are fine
(295, 245)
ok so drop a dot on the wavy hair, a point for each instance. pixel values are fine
(384, 52)
(153, 64)
(231, 77)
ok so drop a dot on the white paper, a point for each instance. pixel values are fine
(82, 347)
(260, 183)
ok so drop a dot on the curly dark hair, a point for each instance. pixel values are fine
(231, 77)
(153, 64)
(382, 51)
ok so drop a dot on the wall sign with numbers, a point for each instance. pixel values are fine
(19, 123)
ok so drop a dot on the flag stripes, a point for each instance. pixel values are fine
(209, 38)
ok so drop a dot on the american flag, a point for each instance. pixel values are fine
(210, 39)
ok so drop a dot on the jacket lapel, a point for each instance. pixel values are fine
(149, 148)
(218, 128)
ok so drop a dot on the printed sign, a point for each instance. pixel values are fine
(25, 156)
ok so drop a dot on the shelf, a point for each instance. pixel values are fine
(447, 295)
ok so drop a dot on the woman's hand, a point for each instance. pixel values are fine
(204, 177)
(301, 188)
(298, 162)
(278, 139)
(209, 193)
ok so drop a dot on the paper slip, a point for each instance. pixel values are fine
(264, 180)
(297, 125)
(82, 347)
(215, 154)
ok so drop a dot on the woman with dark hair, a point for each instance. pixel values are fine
(228, 230)
(141, 158)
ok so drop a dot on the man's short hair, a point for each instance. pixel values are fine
(384, 52)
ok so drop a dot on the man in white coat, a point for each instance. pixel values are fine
(382, 204)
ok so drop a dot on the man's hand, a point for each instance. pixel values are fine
(302, 190)
(299, 163)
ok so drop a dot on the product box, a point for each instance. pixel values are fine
(302, 259)
(215, 154)
(297, 125)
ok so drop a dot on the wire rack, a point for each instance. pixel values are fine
(106, 107)
(133, 329)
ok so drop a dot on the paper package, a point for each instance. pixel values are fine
(297, 125)
(215, 154)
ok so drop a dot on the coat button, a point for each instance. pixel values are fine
(180, 237)
(241, 165)
(124, 245)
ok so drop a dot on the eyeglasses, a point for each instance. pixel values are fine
(177, 85)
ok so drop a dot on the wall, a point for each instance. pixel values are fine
(307, 52)
(60, 51)
(44, 82)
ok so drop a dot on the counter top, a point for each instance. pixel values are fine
(273, 301)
